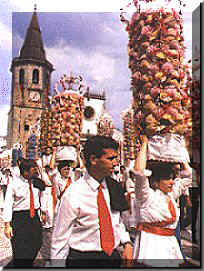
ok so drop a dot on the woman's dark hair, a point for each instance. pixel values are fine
(95, 145)
(160, 171)
(26, 164)
(64, 163)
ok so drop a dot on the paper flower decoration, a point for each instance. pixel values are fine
(159, 78)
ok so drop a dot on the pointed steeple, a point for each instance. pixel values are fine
(33, 45)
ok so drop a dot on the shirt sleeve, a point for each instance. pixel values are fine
(45, 177)
(63, 223)
(44, 198)
(8, 203)
(124, 235)
(181, 186)
(186, 192)
(142, 188)
(130, 186)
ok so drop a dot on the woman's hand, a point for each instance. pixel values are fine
(8, 230)
(141, 160)
(43, 217)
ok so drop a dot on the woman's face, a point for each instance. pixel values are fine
(166, 186)
(65, 171)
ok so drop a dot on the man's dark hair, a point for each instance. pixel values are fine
(26, 164)
(95, 145)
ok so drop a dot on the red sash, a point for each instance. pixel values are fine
(159, 227)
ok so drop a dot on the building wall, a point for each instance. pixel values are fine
(89, 126)
(24, 119)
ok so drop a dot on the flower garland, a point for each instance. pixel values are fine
(196, 97)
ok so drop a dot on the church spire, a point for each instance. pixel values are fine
(33, 45)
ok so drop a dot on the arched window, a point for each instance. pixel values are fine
(35, 79)
(21, 76)
(26, 127)
(47, 79)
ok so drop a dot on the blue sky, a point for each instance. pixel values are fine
(84, 37)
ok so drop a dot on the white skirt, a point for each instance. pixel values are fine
(156, 250)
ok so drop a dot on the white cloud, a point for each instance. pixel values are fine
(65, 58)
(6, 40)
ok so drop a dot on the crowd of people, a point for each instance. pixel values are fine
(66, 210)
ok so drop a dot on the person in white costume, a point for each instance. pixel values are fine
(156, 245)
(66, 159)
(56, 184)
(23, 213)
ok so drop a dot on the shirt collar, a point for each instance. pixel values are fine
(23, 179)
(93, 183)
(162, 193)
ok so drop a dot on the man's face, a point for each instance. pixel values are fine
(33, 172)
(106, 163)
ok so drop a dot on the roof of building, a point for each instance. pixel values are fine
(33, 45)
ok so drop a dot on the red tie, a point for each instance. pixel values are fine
(69, 181)
(32, 210)
(106, 229)
(53, 192)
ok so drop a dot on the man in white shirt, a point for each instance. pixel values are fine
(21, 214)
(76, 237)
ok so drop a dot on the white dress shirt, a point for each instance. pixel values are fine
(47, 207)
(18, 197)
(4, 179)
(77, 222)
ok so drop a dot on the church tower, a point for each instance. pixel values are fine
(31, 76)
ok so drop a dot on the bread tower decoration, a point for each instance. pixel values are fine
(162, 102)
(105, 126)
(130, 142)
(61, 122)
